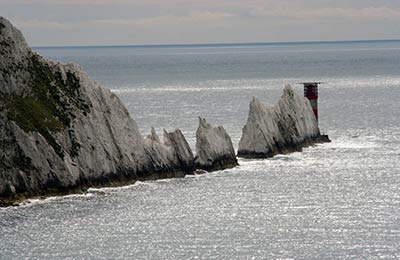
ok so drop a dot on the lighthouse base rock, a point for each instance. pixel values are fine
(286, 127)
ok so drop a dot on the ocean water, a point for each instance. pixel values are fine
(333, 201)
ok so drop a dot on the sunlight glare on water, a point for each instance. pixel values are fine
(338, 200)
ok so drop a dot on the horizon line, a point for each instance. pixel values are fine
(212, 44)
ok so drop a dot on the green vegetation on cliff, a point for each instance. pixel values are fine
(49, 108)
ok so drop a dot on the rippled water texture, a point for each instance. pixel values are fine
(334, 201)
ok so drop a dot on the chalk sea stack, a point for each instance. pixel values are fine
(214, 149)
(283, 128)
(61, 131)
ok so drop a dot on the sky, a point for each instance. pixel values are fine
(138, 22)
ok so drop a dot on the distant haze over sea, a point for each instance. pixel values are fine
(221, 44)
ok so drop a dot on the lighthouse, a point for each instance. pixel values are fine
(311, 92)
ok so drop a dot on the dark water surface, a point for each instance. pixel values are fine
(334, 201)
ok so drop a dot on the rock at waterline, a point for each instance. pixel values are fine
(286, 127)
(173, 151)
(213, 147)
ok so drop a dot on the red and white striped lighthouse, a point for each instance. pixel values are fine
(311, 92)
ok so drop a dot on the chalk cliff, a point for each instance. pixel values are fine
(60, 130)
(214, 148)
(285, 127)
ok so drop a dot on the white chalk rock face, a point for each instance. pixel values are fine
(181, 147)
(60, 130)
(285, 127)
(173, 156)
(213, 147)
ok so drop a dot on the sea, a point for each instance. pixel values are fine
(338, 200)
